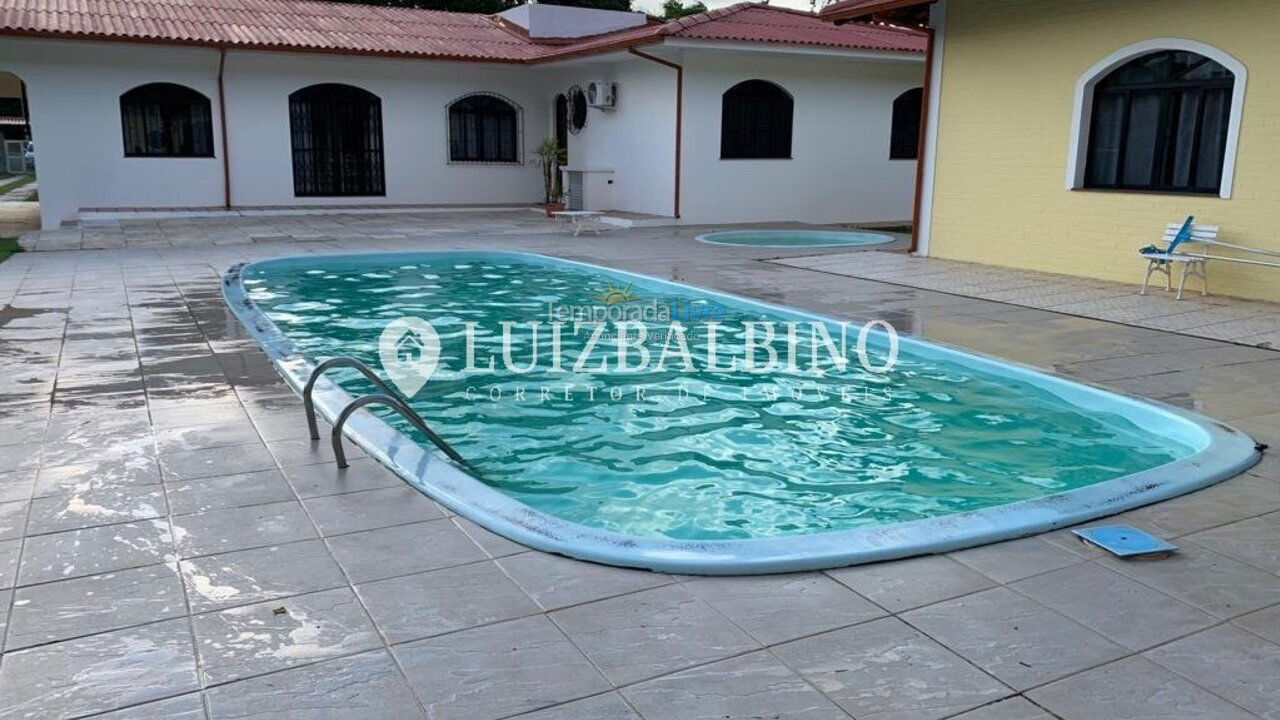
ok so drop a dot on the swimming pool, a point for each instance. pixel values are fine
(715, 471)
(794, 238)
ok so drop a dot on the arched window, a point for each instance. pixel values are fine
(904, 138)
(336, 132)
(166, 120)
(1160, 122)
(755, 121)
(484, 128)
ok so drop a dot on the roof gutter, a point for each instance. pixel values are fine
(679, 113)
(222, 118)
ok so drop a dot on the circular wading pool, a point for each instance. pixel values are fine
(794, 238)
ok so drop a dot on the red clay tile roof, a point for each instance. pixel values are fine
(857, 8)
(310, 25)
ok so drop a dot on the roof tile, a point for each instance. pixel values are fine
(340, 27)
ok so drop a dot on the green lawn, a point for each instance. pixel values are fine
(8, 246)
(14, 181)
(34, 196)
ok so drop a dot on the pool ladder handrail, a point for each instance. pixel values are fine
(387, 397)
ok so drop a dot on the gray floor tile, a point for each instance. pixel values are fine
(556, 582)
(241, 528)
(92, 551)
(416, 606)
(904, 584)
(370, 509)
(1263, 622)
(1239, 498)
(329, 479)
(6, 598)
(183, 707)
(1229, 662)
(403, 549)
(243, 490)
(1016, 559)
(1017, 640)
(9, 561)
(650, 633)
(887, 670)
(777, 608)
(304, 451)
(1014, 708)
(365, 686)
(13, 518)
(498, 670)
(1216, 584)
(203, 437)
(16, 486)
(249, 640)
(106, 506)
(1255, 542)
(1122, 610)
(97, 475)
(215, 462)
(494, 545)
(97, 603)
(754, 685)
(600, 707)
(249, 576)
(99, 673)
(1133, 689)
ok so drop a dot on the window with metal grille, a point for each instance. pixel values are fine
(755, 121)
(1160, 124)
(166, 120)
(337, 141)
(904, 138)
(484, 128)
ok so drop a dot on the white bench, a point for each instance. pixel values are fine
(580, 220)
(1193, 264)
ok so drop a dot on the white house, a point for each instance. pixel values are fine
(744, 114)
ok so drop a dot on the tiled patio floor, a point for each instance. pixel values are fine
(1216, 317)
(172, 546)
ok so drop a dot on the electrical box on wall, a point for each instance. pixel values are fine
(602, 95)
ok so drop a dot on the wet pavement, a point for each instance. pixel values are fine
(172, 545)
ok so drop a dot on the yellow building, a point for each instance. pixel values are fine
(1062, 135)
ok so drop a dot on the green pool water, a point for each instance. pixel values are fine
(708, 454)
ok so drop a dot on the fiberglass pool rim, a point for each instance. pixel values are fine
(1225, 452)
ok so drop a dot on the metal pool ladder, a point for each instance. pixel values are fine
(387, 397)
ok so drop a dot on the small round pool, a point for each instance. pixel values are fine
(794, 238)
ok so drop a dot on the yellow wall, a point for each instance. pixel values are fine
(1009, 76)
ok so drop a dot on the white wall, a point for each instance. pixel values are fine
(74, 93)
(74, 90)
(840, 169)
(415, 96)
(561, 21)
(636, 140)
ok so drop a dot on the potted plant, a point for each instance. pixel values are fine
(552, 157)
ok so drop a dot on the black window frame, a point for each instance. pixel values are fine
(1170, 94)
(336, 142)
(166, 120)
(492, 115)
(904, 132)
(756, 121)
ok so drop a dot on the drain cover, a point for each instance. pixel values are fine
(1127, 541)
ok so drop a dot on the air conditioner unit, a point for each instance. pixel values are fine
(602, 95)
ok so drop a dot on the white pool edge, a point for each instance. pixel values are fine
(1227, 453)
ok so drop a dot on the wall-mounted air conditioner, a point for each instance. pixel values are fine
(603, 95)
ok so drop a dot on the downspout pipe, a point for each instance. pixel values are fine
(222, 119)
(679, 113)
(921, 143)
